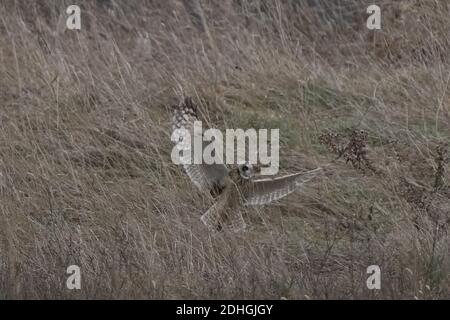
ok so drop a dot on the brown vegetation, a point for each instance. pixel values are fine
(85, 170)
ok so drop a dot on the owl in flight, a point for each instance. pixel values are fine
(235, 187)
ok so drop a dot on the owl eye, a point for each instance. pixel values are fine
(245, 168)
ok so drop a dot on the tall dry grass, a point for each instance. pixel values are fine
(85, 170)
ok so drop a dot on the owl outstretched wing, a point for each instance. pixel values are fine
(263, 191)
(205, 176)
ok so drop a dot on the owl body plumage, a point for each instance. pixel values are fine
(232, 188)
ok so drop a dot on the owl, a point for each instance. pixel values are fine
(232, 188)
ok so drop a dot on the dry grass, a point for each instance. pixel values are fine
(85, 170)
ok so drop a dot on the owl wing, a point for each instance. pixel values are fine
(225, 213)
(204, 176)
(263, 191)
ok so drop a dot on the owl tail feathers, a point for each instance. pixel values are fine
(217, 220)
(211, 219)
(235, 221)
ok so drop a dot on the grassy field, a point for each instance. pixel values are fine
(86, 176)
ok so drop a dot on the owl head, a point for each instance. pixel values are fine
(248, 170)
